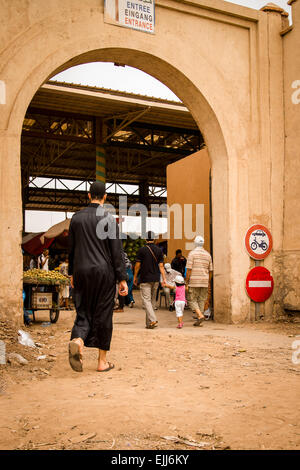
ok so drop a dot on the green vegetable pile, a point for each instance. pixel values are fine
(131, 247)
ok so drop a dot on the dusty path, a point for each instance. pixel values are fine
(219, 385)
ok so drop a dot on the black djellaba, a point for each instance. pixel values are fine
(96, 265)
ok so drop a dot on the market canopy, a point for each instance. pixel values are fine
(57, 230)
(33, 245)
(36, 243)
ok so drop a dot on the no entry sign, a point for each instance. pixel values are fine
(259, 284)
(258, 241)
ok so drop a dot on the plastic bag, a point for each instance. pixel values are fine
(207, 313)
(25, 339)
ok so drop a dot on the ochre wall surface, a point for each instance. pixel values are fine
(188, 183)
(225, 62)
(289, 259)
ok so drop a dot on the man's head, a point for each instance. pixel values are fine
(150, 236)
(199, 241)
(97, 191)
(178, 253)
(46, 252)
(168, 267)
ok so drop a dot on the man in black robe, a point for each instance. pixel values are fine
(96, 263)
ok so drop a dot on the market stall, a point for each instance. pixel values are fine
(41, 291)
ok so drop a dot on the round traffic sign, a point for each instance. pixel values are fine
(258, 241)
(259, 284)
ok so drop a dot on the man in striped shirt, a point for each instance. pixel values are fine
(198, 275)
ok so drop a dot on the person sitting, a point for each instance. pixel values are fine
(170, 283)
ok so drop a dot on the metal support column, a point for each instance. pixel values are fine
(25, 182)
(100, 129)
(144, 199)
(257, 304)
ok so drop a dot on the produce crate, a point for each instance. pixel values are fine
(42, 300)
(41, 296)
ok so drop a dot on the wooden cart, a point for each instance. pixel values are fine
(42, 291)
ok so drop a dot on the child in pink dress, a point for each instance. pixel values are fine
(180, 300)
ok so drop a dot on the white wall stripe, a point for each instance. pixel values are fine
(260, 284)
(2, 92)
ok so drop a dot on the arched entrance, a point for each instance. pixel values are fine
(189, 54)
(199, 107)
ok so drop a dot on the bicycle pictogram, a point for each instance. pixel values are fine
(255, 244)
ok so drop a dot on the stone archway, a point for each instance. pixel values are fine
(42, 39)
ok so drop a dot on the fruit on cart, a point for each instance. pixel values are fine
(131, 247)
(40, 276)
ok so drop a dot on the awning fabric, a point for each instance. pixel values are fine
(62, 228)
(32, 244)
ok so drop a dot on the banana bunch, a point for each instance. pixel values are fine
(40, 276)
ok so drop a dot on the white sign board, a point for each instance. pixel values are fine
(139, 14)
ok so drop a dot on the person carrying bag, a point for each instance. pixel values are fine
(149, 267)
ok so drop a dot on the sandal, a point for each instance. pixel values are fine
(110, 366)
(180, 325)
(75, 358)
(152, 325)
(199, 321)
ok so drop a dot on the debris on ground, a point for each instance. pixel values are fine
(85, 437)
(187, 442)
(40, 358)
(25, 339)
(14, 358)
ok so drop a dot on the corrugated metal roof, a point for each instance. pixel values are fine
(114, 92)
(58, 139)
(101, 102)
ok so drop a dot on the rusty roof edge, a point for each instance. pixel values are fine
(110, 91)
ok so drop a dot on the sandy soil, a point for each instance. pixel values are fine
(215, 387)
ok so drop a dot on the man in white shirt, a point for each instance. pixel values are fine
(44, 261)
(198, 276)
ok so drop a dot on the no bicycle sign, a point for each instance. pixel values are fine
(258, 242)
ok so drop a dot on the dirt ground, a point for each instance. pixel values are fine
(214, 387)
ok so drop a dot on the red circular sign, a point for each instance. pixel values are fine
(258, 242)
(259, 284)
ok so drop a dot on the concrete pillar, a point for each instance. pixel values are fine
(11, 263)
(291, 248)
(273, 150)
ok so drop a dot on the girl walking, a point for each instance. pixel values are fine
(180, 300)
